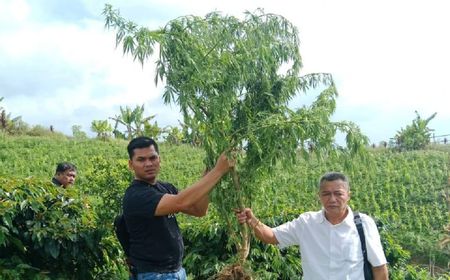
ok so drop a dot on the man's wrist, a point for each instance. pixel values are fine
(254, 223)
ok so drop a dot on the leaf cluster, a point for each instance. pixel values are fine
(49, 233)
(415, 136)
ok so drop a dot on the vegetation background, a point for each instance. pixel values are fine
(50, 233)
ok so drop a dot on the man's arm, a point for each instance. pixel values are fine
(198, 209)
(262, 231)
(380, 272)
(184, 200)
(375, 251)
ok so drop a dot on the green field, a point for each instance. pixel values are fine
(406, 193)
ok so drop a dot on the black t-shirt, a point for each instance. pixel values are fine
(156, 244)
(56, 182)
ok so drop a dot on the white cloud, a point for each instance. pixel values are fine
(389, 58)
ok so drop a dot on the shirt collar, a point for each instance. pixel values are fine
(56, 182)
(138, 182)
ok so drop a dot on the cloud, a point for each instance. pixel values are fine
(54, 11)
(65, 71)
(60, 65)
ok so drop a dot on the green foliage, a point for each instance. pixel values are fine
(12, 126)
(39, 130)
(22, 157)
(16, 126)
(404, 192)
(49, 233)
(135, 123)
(415, 136)
(102, 128)
(77, 133)
(114, 176)
(410, 272)
(174, 136)
(152, 130)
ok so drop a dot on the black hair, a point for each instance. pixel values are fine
(141, 142)
(63, 166)
(333, 176)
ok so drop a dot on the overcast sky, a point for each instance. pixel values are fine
(59, 65)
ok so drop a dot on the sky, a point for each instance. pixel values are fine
(59, 66)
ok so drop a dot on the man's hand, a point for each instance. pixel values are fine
(245, 216)
(224, 163)
(262, 232)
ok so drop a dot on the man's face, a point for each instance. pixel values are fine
(146, 164)
(334, 196)
(66, 178)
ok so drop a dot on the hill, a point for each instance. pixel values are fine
(406, 193)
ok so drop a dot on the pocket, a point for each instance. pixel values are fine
(351, 250)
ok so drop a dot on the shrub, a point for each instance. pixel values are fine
(51, 233)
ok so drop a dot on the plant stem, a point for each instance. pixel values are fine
(244, 246)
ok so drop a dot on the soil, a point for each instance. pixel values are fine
(233, 272)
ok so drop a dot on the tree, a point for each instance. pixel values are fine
(78, 133)
(174, 135)
(415, 136)
(233, 80)
(133, 120)
(102, 128)
(152, 130)
(12, 125)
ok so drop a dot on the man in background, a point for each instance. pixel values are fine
(65, 175)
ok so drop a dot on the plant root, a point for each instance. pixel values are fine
(233, 272)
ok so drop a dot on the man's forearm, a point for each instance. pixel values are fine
(263, 232)
(200, 208)
(380, 272)
(193, 194)
(185, 200)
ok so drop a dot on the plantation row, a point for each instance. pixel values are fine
(50, 233)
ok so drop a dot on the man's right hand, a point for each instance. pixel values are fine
(224, 164)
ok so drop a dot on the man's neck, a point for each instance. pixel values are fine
(335, 219)
(151, 182)
(56, 181)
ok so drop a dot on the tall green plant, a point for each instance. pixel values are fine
(233, 80)
(102, 128)
(133, 120)
(11, 125)
(415, 136)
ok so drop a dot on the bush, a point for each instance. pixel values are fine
(51, 233)
(415, 136)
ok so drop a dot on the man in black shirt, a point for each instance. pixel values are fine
(65, 174)
(149, 207)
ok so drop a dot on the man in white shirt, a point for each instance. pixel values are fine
(329, 243)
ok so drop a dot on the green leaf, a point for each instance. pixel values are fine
(52, 247)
